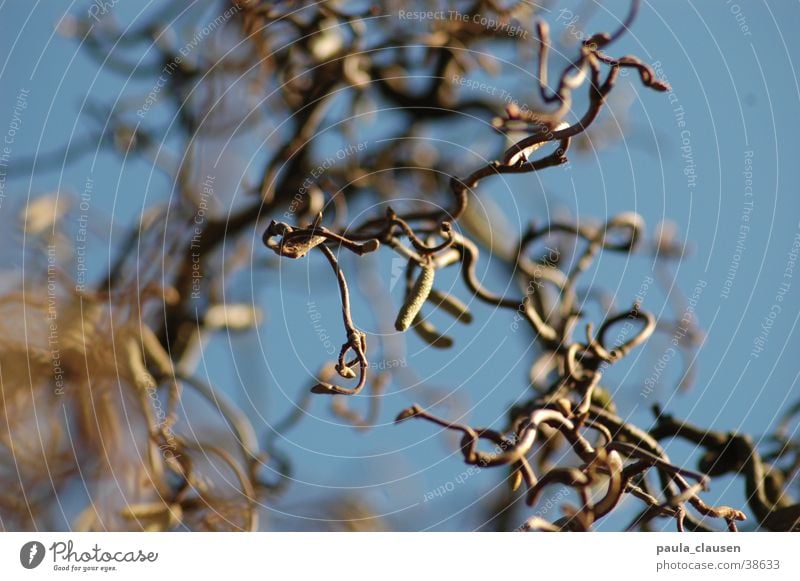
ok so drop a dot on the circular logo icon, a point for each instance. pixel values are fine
(31, 554)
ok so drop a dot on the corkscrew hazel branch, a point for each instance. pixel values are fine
(571, 386)
(735, 453)
(576, 365)
(297, 242)
(356, 340)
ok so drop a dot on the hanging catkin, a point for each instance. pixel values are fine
(415, 299)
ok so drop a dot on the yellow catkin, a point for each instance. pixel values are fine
(428, 333)
(415, 299)
(451, 305)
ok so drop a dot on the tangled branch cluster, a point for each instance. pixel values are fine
(300, 62)
(573, 408)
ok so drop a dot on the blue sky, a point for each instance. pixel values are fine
(718, 156)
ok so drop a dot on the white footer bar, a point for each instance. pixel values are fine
(407, 556)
